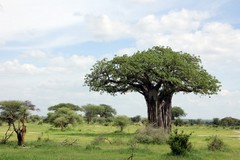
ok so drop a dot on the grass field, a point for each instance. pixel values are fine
(46, 143)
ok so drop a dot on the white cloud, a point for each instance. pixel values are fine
(82, 61)
(104, 28)
(182, 21)
(27, 19)
(128, 51)
(60, 79)
(175, 22)
(35, 54)
(224, 92)
(187, 31)
(14, 67)
(74, 62)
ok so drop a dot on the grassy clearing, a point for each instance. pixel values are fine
(44, 142)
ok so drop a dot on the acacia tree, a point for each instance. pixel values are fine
(63, 114)
(90, 111)
(177, 112)
(16, 111)
(157, 74)
(106, 111)
(65, 105)
(62, 117)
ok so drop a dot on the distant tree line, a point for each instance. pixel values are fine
(225, 122)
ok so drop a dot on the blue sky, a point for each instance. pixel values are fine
(47, 47)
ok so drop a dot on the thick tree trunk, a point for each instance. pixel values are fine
(152, 103)
(159, 110)
(164, 112)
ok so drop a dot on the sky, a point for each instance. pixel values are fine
(47, 48)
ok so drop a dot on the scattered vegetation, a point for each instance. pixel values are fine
(95, 141)
(151, 135)
(215, 143)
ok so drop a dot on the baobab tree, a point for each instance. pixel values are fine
(157, 73)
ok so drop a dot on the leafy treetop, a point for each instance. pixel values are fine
(64, 105)
(160, 68)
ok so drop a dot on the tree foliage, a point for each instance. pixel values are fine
(229, 121)
(216, 121)
(177, 112)
(64, 105)
(106, 111)
(157, 74)
(62, 117)
(90, 111)
(179, 142)
(121, 122)
(102, 110)
(34, 118)
(136, 119)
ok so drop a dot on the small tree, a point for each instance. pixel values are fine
(177, 112)
(121, 121)
(90, 111)
(106, 111)
(136, 119)
(16, 111)
(62, 117)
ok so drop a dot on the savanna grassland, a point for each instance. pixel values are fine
(97, 142)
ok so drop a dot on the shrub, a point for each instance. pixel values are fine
(121, 121)
(151, 135)
(178, 122)
(215, 143)
(136, 119)
(179, 142)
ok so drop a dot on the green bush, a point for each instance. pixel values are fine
(151, 135)
(215, 143)
(179, 142)
(121, 121)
